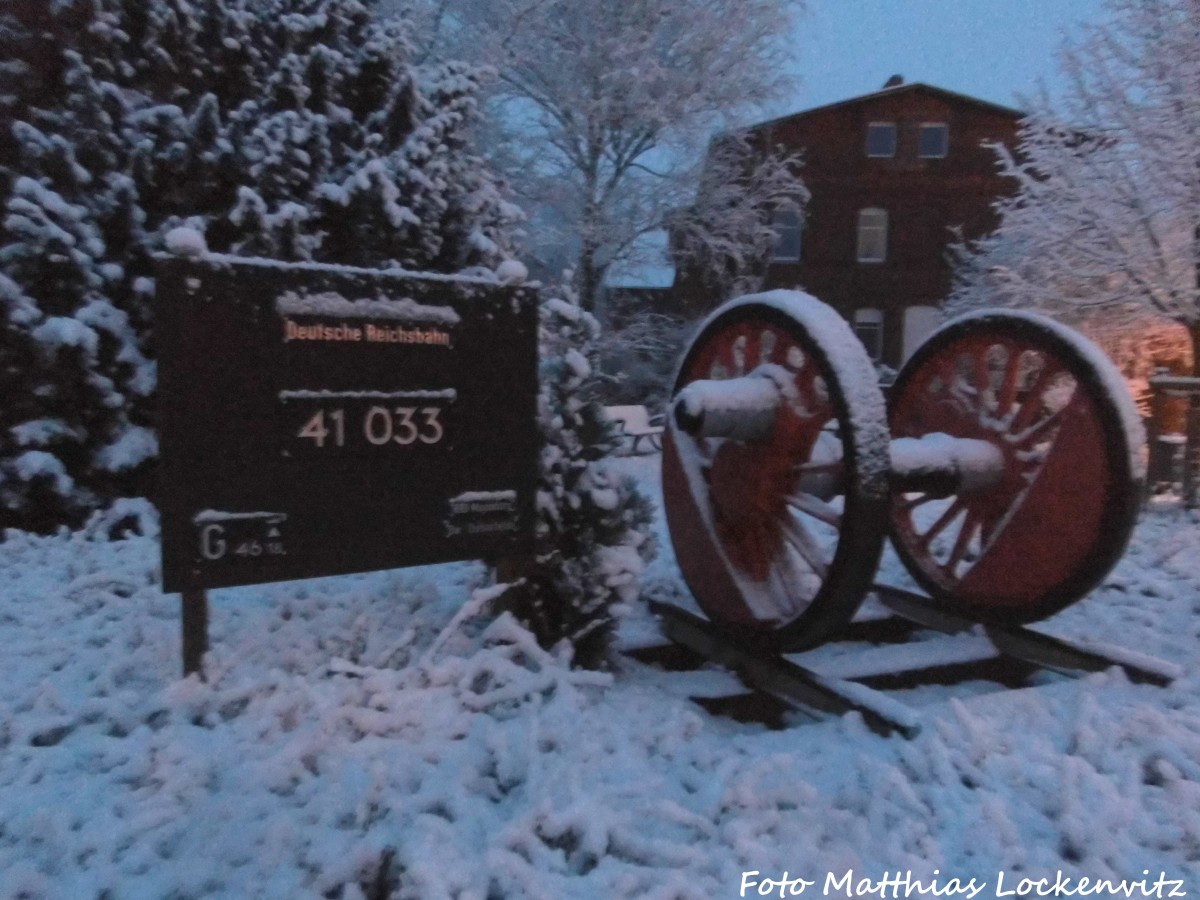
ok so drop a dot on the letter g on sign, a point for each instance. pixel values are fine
(212, 542)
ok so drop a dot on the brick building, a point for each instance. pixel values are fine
(892, 176)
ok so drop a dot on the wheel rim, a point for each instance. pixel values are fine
(1060, 515)
(765, 531)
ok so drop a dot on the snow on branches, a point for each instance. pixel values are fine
(593, 537)
(292, 129)
(722, 242)
(603, 106)
(1106, 217)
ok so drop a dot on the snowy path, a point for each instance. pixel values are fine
(334, 755)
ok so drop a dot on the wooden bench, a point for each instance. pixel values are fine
(637, 424)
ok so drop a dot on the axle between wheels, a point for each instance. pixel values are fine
(1006, 468)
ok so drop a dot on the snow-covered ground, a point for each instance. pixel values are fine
(354, 741)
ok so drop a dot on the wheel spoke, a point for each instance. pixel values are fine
(788, 575)
(983, 379)
(1029, 406)
(1038, 429)
(737, 351)
(801, 539)
(940, 525)
(833, 467)
(817, 508)
(1008, 389)
(963, 542)
(908, 504)
(768, 343)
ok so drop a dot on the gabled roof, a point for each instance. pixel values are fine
(915, 86)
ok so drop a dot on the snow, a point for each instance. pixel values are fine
(39, 464)
(851, 368)
(976, 464)
(184, 241)
(484, 497)
(647, 264)
(448, 394)
(1112, 383)
(40, 432)
(395, 271)
(134, 446)
(335, 305)
(738, 408)
(206, 516)
(395, 728)
(511, 271)
(64, 331)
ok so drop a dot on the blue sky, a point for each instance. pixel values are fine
(992, 49)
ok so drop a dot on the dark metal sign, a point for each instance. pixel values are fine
(319, 420)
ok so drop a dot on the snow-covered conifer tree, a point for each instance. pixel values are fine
(296, 129)
(592, 524)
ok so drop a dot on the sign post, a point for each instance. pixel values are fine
(322, 420)
(194, 619)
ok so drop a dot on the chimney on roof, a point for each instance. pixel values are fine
(894, 81)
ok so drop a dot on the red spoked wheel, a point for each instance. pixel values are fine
(1054, 521)
(778, 538)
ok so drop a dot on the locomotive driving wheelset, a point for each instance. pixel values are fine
(1006, 468)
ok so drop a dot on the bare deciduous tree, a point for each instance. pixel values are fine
(607, 104)
(1107, 215)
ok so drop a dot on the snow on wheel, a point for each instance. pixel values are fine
(1055, 515)
(775, 469)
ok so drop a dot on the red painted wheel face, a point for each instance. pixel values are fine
(1019, 548)
(756, 524)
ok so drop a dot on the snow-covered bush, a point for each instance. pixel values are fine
(639, 356)
(593, 537)
(295, 129)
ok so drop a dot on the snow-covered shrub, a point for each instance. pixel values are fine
(593, 537)
(639, 356)
(295, 129)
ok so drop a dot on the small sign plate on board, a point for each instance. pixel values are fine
(320, 420)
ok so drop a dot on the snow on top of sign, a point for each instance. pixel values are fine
(207, 516)
(338, 269)
(1111, 381)
(330, 303)
(445, 394)
(485, 497)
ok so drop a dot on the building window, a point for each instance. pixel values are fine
(868, 328)
(919, 323)
(934, 140)
(788, 225)
(872, 235)
(881, 139)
